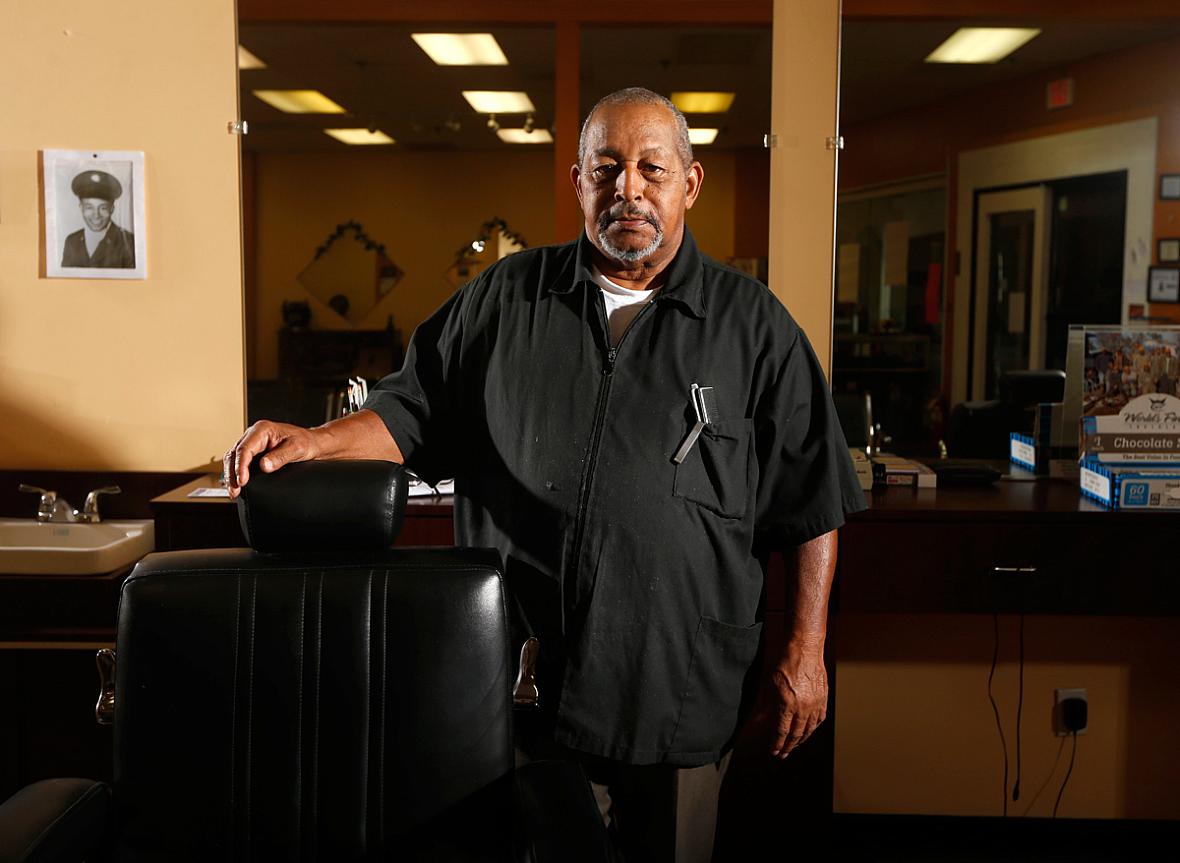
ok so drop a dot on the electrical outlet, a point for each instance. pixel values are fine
(1060, 695)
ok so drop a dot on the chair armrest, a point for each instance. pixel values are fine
(54, 820)
(557, 817)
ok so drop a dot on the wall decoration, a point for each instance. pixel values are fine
(350, 273)
(1163, 285)
(95, 226)
(496, 240)
(1168, 250)
(1170, 187)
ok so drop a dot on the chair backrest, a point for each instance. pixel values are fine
(311, 705)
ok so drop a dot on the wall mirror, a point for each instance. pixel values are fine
(494, 240)
(350, 273)
(986, 205)
(426, 188)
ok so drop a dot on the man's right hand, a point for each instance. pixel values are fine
(359, 435)
(277, 443)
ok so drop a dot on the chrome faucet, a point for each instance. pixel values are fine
(58, 510)
(51, 507)
(89, 513)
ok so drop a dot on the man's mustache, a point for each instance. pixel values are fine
(626, 211)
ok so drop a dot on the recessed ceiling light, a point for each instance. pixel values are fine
(246, 60)
(702, 103)
(360, 136)
(499, 101)
(461, 49)
(520, 136)
(299, 101)
(981, 44)
(701, 136)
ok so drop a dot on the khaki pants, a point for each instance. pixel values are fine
(655, 812)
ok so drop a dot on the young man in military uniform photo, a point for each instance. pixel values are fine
(101, 243)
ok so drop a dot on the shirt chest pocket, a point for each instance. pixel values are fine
(716, 472)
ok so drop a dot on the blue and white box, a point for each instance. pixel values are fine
(1131, 487)
(1022, 450)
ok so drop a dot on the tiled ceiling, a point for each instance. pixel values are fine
(386, 82)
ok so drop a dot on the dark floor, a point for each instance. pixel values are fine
(929, 839)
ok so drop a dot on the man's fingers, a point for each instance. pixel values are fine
(801, 728)
(265, 439)
(793, 735)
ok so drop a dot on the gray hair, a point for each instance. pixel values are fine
(640, 96)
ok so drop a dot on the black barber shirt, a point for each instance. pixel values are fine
(637, 575)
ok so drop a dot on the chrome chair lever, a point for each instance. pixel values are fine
(524, 693)
(104, 710)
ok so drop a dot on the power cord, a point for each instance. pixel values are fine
(995, 707)
(1019, 712)
(1073, 753)
(1048, 779)
(1074, 716)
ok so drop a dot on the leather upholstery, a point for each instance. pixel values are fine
(264, 705)
(336, 701)
(333, 505)
(54, 820)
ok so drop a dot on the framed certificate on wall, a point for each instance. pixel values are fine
(1163, 285)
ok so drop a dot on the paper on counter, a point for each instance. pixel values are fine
(418, 488)
(209, 492)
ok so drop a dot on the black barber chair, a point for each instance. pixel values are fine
(321, 697)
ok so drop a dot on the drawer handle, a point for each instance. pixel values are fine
(1009, 570)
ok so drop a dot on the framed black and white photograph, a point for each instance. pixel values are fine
(94, 214)
(1163, 285)
(1168, 250)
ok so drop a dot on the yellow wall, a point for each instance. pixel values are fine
(423, 206)
(915, 732)
(106, 374)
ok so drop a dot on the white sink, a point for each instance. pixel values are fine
(30, 547)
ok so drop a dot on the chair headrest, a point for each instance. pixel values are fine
(324, 505)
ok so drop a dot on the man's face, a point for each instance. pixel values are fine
(632, 185)
(96, 212)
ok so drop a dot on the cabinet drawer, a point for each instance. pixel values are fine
(1061, 567)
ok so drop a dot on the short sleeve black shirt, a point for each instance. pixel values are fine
(638, 575)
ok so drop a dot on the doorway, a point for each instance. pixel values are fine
(1047, 255)
(1127, 149)
(1010, 253)
(1085, 257)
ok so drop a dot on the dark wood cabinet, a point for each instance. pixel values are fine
(336, 355)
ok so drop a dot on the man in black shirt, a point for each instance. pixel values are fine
(627, 421)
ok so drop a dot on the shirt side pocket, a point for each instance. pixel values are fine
(721, 656)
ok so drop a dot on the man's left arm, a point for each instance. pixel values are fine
(793, 695)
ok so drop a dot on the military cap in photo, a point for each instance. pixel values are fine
(96, 184)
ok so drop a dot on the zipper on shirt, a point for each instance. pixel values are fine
(608, 371)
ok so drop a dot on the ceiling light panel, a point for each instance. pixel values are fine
(299, 101)
(702, 136)
(981, 44)
(499, 101)
(360, 136)
(520, 136)
(702, 103)
(461, 49)
(246, 60)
